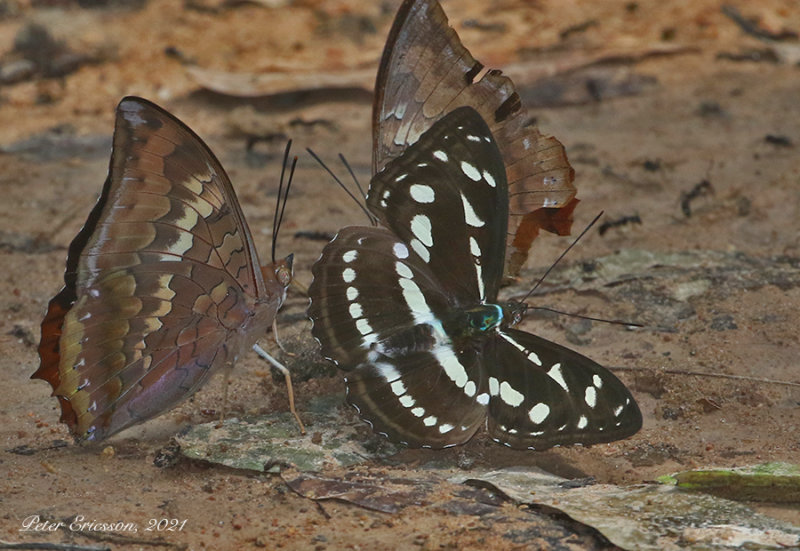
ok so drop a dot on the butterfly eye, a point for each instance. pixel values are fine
(283, 275)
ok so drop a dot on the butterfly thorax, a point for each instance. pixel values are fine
(472, 322)
(277, 278)
(482, 319)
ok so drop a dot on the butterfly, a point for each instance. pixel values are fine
(426, 72)
(163, 286)
(409, 308)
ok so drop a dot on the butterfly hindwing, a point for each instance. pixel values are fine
(159, 281)
(543, 395)
(432, 399)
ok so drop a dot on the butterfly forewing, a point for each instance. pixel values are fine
(426, 72)
(543, 395)
(441, 198)
(161, 283)
(376, 309)
(160, 166)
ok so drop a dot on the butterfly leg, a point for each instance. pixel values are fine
(287, 376)
(278, 342)
(224, 409)
(300, 287)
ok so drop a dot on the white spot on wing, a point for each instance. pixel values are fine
(415, 300)
(469, 214)
(494, 386)
(441, 155)
(387, 371)
(582, 422)
(533, 357)
(510, 395)
(483, 398)
(363, 327)
(422, 193)
(556, 374)
(407, 401)
(470, 389)
(530, 355)
(447, 358)
(430, 420)
(470, 171)
(398, 388)
(539, 413)
(355, 310)
(474, 248)
(479, 273)
(421, 250)
(489, 179)
(349, 256)
(422, 230)
(352, 293)
(597, 381)
(590, 397)
(348, 275)
(418, 412)
(403, 270)
(400, 250)
(445, 427)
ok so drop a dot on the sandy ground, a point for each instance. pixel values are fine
(663, 113)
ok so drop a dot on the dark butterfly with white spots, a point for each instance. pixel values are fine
(425, 73)
(410, 310)
(163, 286)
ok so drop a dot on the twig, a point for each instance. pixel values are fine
(51, 546)
(752, 28)
(702, 374)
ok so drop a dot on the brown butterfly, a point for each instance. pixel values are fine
(425, 73)
(163, 285)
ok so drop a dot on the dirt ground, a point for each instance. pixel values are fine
(651, 98)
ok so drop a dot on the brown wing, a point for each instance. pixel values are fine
(162, 283)
(425, 73)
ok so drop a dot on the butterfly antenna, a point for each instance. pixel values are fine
(562, 255)
(590, 318)
(352, 175)
(283, 196)
(553, 265)
(372, 219)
